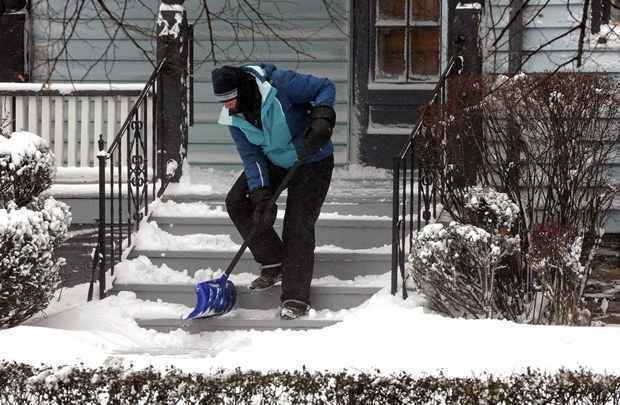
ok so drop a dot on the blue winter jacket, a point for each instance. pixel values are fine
(287, 98)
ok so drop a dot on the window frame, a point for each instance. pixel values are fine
(407, 24)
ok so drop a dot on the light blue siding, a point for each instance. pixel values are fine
(322, 42)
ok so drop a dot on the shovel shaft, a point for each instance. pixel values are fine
(254, 231)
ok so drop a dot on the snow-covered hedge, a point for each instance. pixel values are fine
(25, 384)
(26, 167)
(31, 228)
(29, 274)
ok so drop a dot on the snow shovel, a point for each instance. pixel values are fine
(218, 296)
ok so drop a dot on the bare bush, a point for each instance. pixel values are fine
(546, 142)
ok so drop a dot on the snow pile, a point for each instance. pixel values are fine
(203, 210)
(385, 333)
(26, 167)
(194, 209)
(151, 237)
(358, 171)
(141, 270)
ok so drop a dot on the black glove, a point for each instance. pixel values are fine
(323, 119)
(264, 215)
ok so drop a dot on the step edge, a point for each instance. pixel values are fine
(172, 322)
(187, 288)
(216, 254)
(325, 223)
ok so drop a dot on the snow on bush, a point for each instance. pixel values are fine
(490, 210)
(29, 274)
(26, 167)
(455, 267)
(115, 384)
(31, 228)
(458, 266)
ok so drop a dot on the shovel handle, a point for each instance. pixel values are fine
(254, 230)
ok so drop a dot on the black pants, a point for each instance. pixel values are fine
(306, 193)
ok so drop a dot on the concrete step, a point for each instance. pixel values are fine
(358, 233)
(321, 297)
(344, 266)
(228, 324)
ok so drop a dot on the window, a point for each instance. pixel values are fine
(407, 40)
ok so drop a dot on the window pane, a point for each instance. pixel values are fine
(425, 10)
(424, 48)
(391, 9)
(390, 62)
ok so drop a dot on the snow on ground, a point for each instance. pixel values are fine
(151, 237)
(386, 333)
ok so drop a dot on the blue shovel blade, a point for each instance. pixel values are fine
(213, 298)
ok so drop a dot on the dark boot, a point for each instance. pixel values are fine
(270, 275)
(293, 309)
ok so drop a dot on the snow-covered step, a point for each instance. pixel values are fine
(321, 297)
(347, 231)
(343, 264)
(229, 324)
(341, 205)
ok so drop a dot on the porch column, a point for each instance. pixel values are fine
(172, 32)
(465, 42)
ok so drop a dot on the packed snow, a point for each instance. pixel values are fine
(204, 210)
(141, 270)
(152, 237)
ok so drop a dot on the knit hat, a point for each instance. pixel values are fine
(226, 81)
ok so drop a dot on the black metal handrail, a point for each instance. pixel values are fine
(425, 176)
(127, 184)
(125, 195)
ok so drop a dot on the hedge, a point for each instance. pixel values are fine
(25, 384)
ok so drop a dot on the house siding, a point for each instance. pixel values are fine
(305, 25)
(555, 19)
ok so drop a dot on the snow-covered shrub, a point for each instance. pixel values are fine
(490, 210)
(456, 267)
(467, 269)
(29, 274)
(26, 167)
(31, 228)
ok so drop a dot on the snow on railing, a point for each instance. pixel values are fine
(71, 117)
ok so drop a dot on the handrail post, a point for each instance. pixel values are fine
(395, 222)
(102, 156)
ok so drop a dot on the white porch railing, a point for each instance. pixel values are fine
(69, 116)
